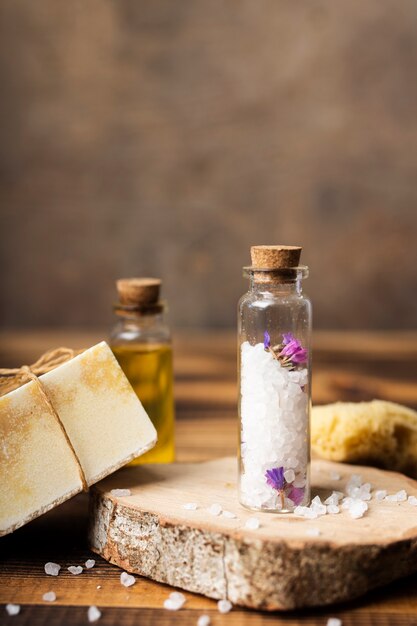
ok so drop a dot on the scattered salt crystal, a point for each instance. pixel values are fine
(203, 620)
(127, 580)
(229, 514)
(13, 609)
(313, 532)
(317, 506)
(357, 509)
(175, 601)
(75, 569)
(224, 606)
(121, 493)
(289, 475)
(50, 596)
(412, 500)
(380, 494)
(335, 476)
(98, 587)
(190, 506)
(333, 509)
(301, 510)
(334, 621)
(333, 499)
(310, 513)
(252, 523)
(90, 563)
(400, 496)
(52, 569)
(93, 614)
(215, 509)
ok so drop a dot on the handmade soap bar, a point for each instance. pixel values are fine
(102, 417)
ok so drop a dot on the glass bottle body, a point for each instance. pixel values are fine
(274, 348)
(142, 346)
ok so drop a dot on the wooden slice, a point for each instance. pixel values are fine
(276, 567)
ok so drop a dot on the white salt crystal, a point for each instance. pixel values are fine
(190, 506)
(13, 609)
(310, 514)
(252, 523)
(224, 606)
(90, 563)
(357, 509)
(333, 499)
(412, 500)
(313, 532)
(127, 580)
(301, 510)
(52, 569)
(121, 493)
(98, 587)
(75, 569)
(317, 506)
(299, 481)
(335, 476)
(400, 496)
(333, 509)
(93, 614)
(289, 476)
(50, 596)
(203, 620)
(380, 494)
(175, 601)
(228, 514)
(334, 621)
(215, 509)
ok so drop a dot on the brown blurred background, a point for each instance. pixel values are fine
(165, 137)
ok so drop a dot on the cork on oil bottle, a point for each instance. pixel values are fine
(141, 343)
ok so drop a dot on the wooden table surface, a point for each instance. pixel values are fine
(347, 366)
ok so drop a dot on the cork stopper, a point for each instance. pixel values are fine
(138, 292)
(275, 257)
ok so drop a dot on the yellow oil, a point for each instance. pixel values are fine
(148, 368)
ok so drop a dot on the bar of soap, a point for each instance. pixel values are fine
(377, 433)
(102, 416)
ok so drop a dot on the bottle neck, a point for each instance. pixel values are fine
(275, 288)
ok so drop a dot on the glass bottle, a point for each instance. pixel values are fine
(274, 335)
(141, 342)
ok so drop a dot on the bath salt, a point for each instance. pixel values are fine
(274, 424)
(412, 500)
(190, 506)
(357, 509)
(224, 606)
(400, 496)
(12, 609)
(215, 509)
(52, 569)
(333, 509)
(121, 493)
(90, 563)
(228, 515)
(334, 621)
(252, 523)
(93, 614)
(50, 596)
(127, 580)
(317, 506)
(380, 494)
(203, 620)
(175, 601)
(75, 569)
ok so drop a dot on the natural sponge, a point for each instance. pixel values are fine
(378, 433)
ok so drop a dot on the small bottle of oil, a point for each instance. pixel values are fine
(141, 343)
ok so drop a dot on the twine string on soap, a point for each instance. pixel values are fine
(14, 378)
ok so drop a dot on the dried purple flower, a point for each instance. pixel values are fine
(267, 340)
(275, 478)
(293, 350)
(296, 494)
(287, 338)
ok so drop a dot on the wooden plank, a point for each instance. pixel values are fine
(276, 567)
